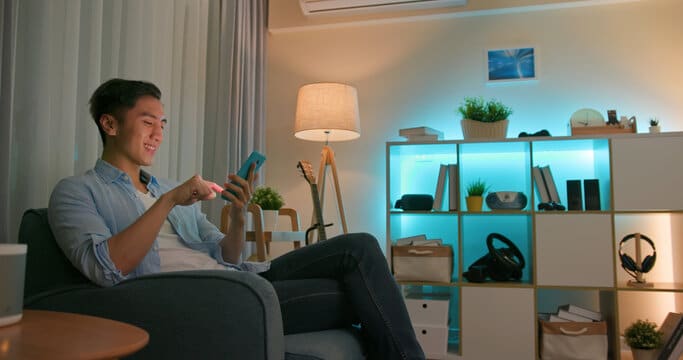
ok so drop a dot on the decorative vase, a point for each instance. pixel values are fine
(472, 129)
(270, 219)
(654, 129)
(474, 203)
(644, 354)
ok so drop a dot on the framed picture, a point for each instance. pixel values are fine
(512, 64)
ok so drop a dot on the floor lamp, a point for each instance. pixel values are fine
(328, 112)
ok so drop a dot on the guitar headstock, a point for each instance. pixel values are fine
(306, 170)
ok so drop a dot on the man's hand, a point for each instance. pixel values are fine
(193, 190)
(233, 242)
(240, 190)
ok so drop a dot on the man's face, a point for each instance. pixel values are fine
(140, 132)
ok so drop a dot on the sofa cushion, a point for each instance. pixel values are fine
(335, 344)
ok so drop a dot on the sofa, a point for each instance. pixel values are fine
(189, 314)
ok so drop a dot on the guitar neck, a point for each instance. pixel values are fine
(318, 212)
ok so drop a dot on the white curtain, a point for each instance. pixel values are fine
(235, 122)
(56, 52)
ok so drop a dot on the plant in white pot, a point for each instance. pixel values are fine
(484, 119)
(270, 202)
(644, 339)
(654, 126)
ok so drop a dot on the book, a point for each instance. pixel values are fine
(568, 316)
(550, 317)
(593, 315)
(428, 242)
(540, 185)
(409, 240)
(440, 187)
(550, 184)
(422, 137)
(452, 187)
(555, 318)
(419, 130)
(672, 327)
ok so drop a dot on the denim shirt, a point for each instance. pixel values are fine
(86, 210)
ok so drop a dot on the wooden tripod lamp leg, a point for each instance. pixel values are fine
(327, 159)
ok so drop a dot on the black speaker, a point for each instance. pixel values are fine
(574, 198)
(591, 190)
(629, 264)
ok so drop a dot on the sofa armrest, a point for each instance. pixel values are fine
(188, 314)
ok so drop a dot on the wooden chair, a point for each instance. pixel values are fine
(258, 235)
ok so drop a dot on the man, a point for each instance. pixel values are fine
(118, 222)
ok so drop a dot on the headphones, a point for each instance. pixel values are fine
(501, 264)
(629, 264)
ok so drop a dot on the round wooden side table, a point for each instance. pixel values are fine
(58, 335)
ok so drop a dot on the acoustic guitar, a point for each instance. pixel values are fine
(306, 170)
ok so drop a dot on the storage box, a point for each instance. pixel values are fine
(422, 263)
(433, 340)
(573, 340)
(428, 311)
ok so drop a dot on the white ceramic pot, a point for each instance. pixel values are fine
(270, 220)
(644, 354)
(654, 129)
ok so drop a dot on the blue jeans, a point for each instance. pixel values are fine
(365, 290)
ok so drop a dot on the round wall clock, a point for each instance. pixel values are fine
(586, 117)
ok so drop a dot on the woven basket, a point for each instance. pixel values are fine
(472, 129)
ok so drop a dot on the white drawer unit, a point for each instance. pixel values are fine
(428, 312)
(430, 321)
(433, 340)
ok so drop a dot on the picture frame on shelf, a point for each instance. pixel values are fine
(511, 65)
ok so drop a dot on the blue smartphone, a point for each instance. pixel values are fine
(243, 172)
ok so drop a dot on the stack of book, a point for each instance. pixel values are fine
(672, 328)
(418, 240)
(571, 312)
(421, 133)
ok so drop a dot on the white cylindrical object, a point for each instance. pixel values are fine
(12, 273)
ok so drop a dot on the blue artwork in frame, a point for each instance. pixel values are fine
(512, 64)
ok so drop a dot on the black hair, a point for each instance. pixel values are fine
(115, 96)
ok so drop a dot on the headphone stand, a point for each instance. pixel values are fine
(640, 281)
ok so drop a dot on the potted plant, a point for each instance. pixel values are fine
(654, 126)
(475, 194)
(484, 119)
(270, 202)
(644, 339)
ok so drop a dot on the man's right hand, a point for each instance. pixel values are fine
(193, 190)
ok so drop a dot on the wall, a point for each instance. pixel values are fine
(623, 56)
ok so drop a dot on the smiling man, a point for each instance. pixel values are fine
(118, 222)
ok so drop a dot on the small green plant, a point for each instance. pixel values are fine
(267, 198)
(476, 108)
(643, 334)
(477, 188)
(654, 122)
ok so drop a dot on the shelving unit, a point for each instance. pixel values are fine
(571, 256)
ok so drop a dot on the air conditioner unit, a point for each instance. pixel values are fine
(315, 7)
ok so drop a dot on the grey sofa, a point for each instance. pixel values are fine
(189, 314)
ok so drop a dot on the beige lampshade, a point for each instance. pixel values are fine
(327, 112)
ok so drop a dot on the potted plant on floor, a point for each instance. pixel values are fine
(475, 194)
(270, 202)
(484, 119)
(644, 339)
